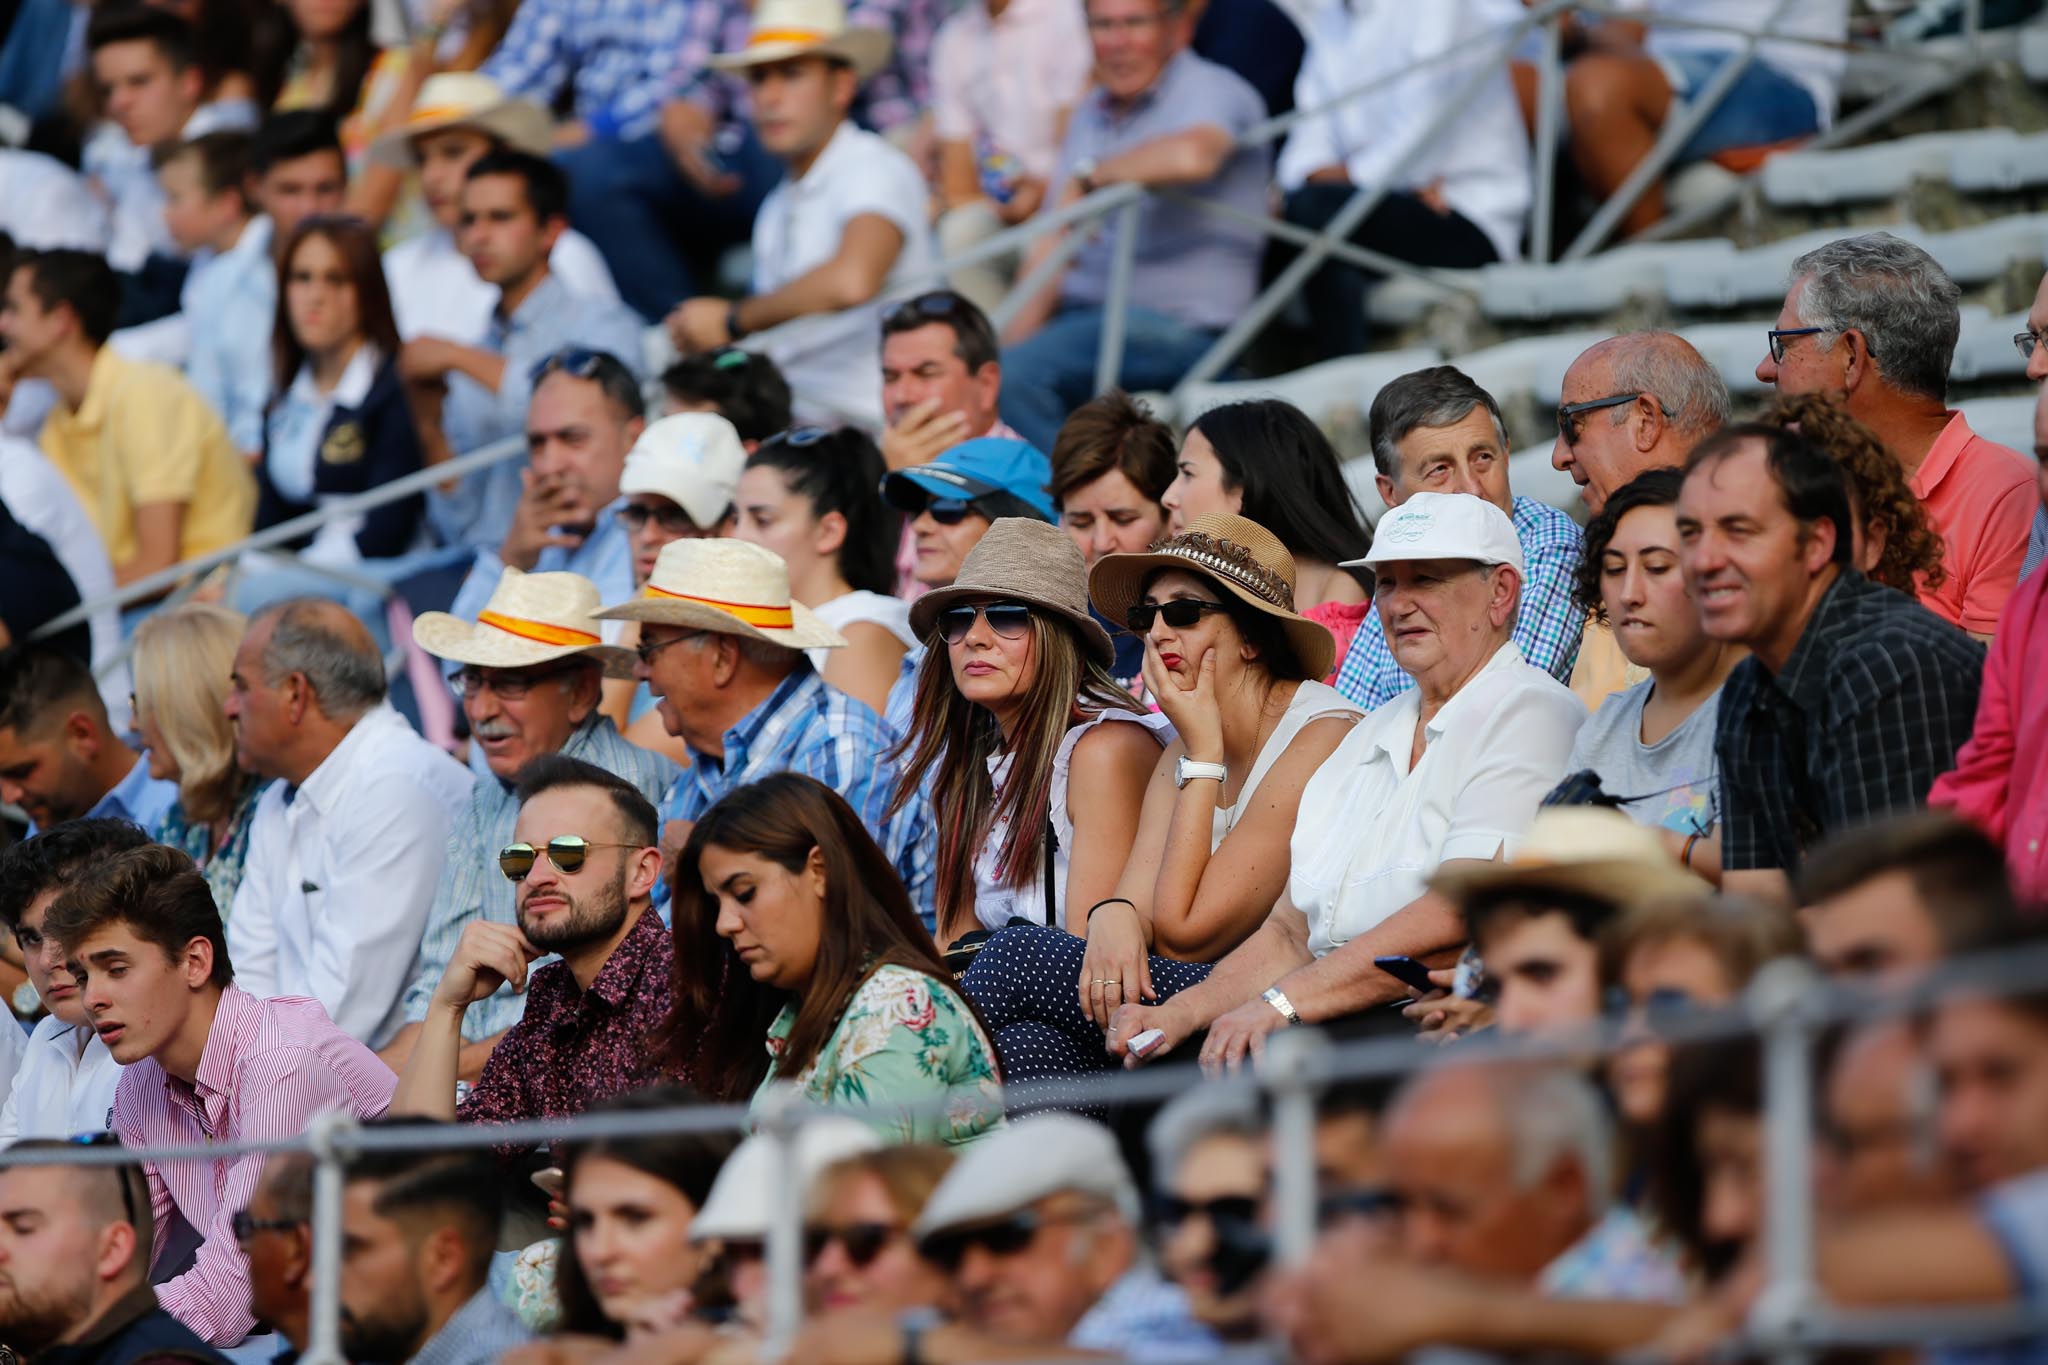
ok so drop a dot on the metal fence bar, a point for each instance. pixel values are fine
(1294, 1070)
(1777, 1001)
(1439, 282)
(1123, 261)
(781, 1117)
(326, 1133)
(1549, 114)
(1040, 277)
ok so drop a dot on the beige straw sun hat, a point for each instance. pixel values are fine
(532, 618)
(786, 29)
(1022, 559)
(728, 587)
(465, 99)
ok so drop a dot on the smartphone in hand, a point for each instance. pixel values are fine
(1406, 970)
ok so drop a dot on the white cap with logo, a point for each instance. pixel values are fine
(694, 459)
(1445, 526)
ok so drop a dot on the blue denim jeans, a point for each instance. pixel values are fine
(1765, 105)
(1052, 371)
(658, 232)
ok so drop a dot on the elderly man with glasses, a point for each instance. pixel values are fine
(529, 672)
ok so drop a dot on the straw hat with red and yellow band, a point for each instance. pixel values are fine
(532, 618)
(728, 587)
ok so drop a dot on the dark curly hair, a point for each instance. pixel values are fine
(1651, 488)
(1912, 554)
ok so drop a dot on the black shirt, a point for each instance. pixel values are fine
(34, 588)
(1877, 697)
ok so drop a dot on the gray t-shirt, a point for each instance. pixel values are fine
(1676, 776)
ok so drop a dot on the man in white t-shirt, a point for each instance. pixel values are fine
(1448, 773)
(459, 118)
(848, 223)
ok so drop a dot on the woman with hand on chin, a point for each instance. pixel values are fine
(1233, 666)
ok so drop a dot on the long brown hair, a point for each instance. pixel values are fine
(719, 1022)
(952, 739)
(355, 241)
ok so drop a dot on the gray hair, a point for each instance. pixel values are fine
(1553, 1114)
(1194, 1116)
(1894, 293)
(330, 647)
(1436, 397)
(1665, 366)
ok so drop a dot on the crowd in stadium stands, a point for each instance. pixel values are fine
(839, 691)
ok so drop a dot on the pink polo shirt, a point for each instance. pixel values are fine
(1981, 497)
(2000, 782)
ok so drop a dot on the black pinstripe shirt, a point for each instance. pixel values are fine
(1877, 697)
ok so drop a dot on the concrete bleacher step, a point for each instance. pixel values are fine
(2008, 421)
(1588, 288)
(1972, 255)
(1884, 170)
(1350, 381)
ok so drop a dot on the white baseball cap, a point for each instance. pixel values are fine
(738, 1209)
(1015, 1167)
(694, 459)
(1445, 526)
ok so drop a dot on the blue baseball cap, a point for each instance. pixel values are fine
(987, 464)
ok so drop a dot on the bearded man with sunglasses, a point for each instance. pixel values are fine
(530, 673)
(582, 865)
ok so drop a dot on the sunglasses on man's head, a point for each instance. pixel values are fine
(862, 1242)
(1180, 613)
(578, 362)
(933, 306)
(1007, 619)
(568, 852)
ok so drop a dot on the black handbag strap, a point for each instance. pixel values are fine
(1052, 846)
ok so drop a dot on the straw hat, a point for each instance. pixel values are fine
(728, 587)
(784, 29)
(1238, 555)
(1585, 851)
(1022, 560)
(465, 99)
(532, 618)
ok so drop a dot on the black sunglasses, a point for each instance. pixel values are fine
(1170, 1210)
(863, 1242)
(1180, 613)
(568, 852)
(1778, 336)
(127, 1174)
(1364, 1201)
(937, 304)
(578, 362)
(1569, 414)
(948, 1249)
(1007, 619)
(1661, 1008)
(946, 511)
(246, 1225)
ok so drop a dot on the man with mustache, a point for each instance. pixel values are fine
(529, 673)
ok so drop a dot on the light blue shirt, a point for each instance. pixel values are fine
(2037, 544)
(479, 512)
(605, 558)
(230, 306)
(138, 798)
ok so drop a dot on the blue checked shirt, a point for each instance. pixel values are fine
(472, 887)
(1547, 631)
(1144, 1319)
(807, 727)
(622, 59)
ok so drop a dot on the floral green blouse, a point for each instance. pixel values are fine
(906, 1040)
(222, 867)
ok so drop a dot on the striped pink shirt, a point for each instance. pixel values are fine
(269, 1066)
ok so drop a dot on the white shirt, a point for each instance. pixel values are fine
(1819, 69)
(122, 171)
(294, 427)
(435, 291)
(44, 204)
(862, 607)
(1481, 161)
(831, 359)
(1371, 830)
(63, 1086)
(43, 501)
(341, 874)
(1312, 701)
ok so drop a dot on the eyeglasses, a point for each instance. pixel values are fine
(508, 684)
(1180, 613)
(127, 1174)
(948, 1249)
(940, 303)
(1779, 335)
(1007, 619)
(1171, 1211)
(1568, 414)
(578, 362)
(672, 520)
(1660, 1009)
(1364, 1201)
(246, 1225)
(647, 649)
(2027, 342)
(863, 1242)
(568, 852)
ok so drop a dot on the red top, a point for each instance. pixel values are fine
(1980, 496)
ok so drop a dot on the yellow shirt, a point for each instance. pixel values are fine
(143, 435)
(1602, 668)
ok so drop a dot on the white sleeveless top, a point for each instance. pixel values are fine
(854, 608)
(1312, 702)
(996, 901)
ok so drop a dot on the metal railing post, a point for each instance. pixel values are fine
(325, 1135)
(1038, 278)
(782, 1115)
(1294, 1071)
(1778, 1002)
(1123, 260)
(1549, 108)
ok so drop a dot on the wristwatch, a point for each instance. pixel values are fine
(1084, 174)
(1272, 996)
(733, 330)
(1186, 770)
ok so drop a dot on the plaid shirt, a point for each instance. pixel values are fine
(471, 886)
(623, 58)
(1547, 631)
(1877, 697)
(807, 727)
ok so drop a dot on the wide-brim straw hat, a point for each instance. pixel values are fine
(465, 99)
(532, 618)
(1236, 554)
(1583, 851)
(1022, 559)
(729, 587)
(786, 29)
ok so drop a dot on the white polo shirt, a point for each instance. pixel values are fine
(833, 360)
(1372, 830)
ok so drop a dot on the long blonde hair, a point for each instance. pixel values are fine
(182, 661)
(953, 739)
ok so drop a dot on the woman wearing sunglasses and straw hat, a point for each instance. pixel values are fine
(1037, 760)
(1234, 667)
